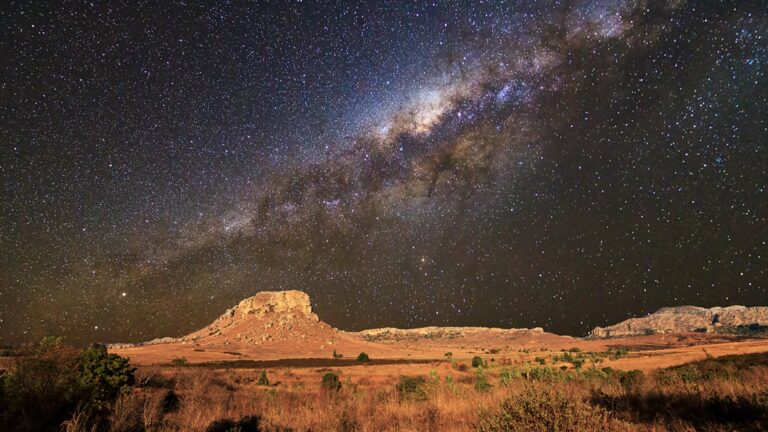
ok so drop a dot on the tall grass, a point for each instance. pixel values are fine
(678, 399)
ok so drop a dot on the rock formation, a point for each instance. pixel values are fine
(387, 334)
(267, 317)
(686, 319)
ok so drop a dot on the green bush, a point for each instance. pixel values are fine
(630, 379)
(507, 375)
(544, 411)
(477, 361)
(363, 357)
(105, 375)
(411, 388)
(337, 355)
(49, 382)
(179, 361)
(481, 382)
(331, 382)
(263, 380)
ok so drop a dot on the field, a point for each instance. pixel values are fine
(541, 382)
(725, 393)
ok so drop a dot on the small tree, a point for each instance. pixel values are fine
(363, 357)
(411, 388)
(106, 375)
(477, 361)
(263, 380)
(331, 382)
(481, 382)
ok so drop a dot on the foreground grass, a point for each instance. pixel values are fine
(723, 394)
(730, 393)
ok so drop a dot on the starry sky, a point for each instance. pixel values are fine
(562, 164)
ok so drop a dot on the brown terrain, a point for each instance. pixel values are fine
(279, 328)
(271, 364)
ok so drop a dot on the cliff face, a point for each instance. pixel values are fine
(686, 319)
(295, 303)
(267, 317)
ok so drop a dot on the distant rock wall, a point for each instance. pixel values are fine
(685, 319)
(433, 332)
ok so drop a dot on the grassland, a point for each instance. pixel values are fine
(567, 390)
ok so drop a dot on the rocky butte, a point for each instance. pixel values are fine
(686, 319)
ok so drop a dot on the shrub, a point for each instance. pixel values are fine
(263, 380)
(105, 375)
(477, 361)
(481, 382)
(170, 402)
(630, 379)
(51, 383)
(179, 361)
(337, 355)
(540, 360)
(363, 357)
(245, 424)
(411, 388)
(544, 411)
(506, 375)
(448, 355)
(331, 382)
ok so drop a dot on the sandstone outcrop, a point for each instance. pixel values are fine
(686, 319)
(267, 317)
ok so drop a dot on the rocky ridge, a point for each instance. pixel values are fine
(387, 334)
(267, 317)
(686, 319)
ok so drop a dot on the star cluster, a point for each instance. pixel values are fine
(556, 164)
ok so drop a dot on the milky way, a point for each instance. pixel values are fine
(555, 164)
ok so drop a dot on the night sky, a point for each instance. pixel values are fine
(518, 164)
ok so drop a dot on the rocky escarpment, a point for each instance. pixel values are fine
(686, 319)
(267, 317)
(387, 334)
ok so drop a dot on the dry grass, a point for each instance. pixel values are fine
(678, 399)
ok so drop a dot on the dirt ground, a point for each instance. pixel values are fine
(645, 352)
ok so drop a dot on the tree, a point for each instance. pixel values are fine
(331, 381)
(105, 375)
(263, 380)
(363, 357)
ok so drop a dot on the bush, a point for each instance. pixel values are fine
(544, 411)
(263, 380)
(246, 424)
(481, 382)
(630, 379)
(363, 357)
(104, 375)
(170, 402)
(331, 382)
(477, 361)
(49, 383)
(541, 373)
(411, 388)
(506, 375)
(179, 361)
(337, 355)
